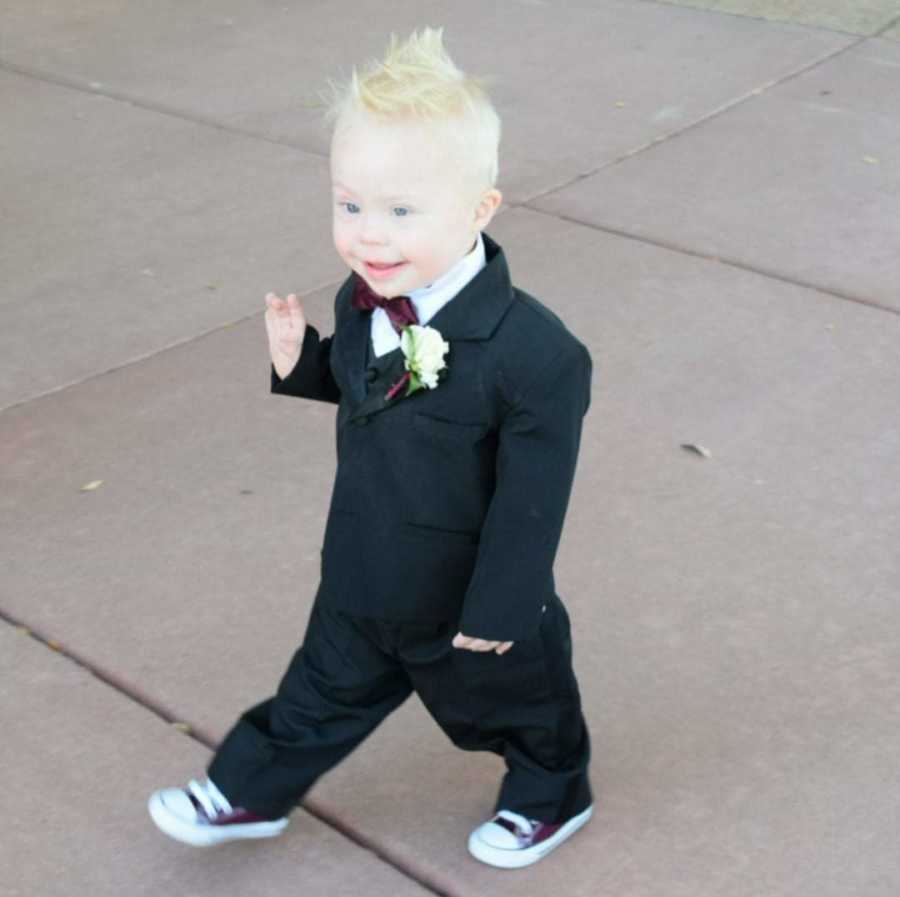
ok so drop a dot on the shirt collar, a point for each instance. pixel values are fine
(430, 299)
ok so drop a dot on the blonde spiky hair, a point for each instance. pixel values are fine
(419, 79)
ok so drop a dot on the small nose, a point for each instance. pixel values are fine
(370, 230)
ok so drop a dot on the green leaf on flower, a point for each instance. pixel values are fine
(414, 384)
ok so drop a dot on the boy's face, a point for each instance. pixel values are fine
(403, 194)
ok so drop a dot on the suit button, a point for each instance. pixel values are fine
(362, 420)
(371, 375)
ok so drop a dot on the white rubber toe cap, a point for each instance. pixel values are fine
(496, 846)
(176, 802)
(497, 836)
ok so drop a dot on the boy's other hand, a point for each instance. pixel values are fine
(480, 644)
(285, 325)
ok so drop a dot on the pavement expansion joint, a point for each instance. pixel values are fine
(709, 257)
(320, 812)
(99, 88)
(719, 110)
(153, 352)
(110, 679)
(746, 15)
(887, 27)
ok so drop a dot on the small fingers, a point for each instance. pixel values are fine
(273, 300)
(480, 644)
(473, 644)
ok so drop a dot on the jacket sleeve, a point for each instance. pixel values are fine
(537, 451)
(311, 377)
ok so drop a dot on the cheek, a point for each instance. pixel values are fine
(418, 242)
(341, 236)
(434, 257)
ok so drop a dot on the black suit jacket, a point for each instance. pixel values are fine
(448, 504)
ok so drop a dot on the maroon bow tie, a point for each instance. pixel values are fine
(399, 309)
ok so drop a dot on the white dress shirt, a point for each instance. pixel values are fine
(428, 300)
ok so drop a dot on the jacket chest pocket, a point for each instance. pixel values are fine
(450, 473)
(443, 434)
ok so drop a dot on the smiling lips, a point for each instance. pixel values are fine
(381, 269)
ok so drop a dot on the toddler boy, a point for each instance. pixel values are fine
(459, 401)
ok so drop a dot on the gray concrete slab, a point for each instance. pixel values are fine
(127, 230)
(77, 762)
(557, 79)
(802, 181)
(733, 615)
(201, 468)
(861, 17)
(156, 192)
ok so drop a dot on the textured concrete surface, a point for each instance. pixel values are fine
(79, 760)
(800, 181)
(866, 17)
(128, 230)
(709, 200)
(155, 192)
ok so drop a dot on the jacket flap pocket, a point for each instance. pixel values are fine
(441, 428)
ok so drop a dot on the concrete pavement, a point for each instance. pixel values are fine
(708, 195)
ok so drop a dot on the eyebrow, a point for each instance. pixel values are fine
(346, 189)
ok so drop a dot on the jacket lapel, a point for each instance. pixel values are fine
(394, 367)
(352, 341)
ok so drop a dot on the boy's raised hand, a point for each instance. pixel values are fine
(480, 644)
(285, 325)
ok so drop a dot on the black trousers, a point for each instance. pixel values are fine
(351, 672)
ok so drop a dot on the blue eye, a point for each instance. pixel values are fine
(402, 211)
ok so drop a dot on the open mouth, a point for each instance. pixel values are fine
(380, 270)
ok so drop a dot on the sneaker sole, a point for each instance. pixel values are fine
(515, 859)
(207, 835)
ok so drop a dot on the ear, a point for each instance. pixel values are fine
(487, 206)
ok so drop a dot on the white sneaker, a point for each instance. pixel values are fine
(510, 841)
(201, 815)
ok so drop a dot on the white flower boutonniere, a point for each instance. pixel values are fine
(423, 349)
